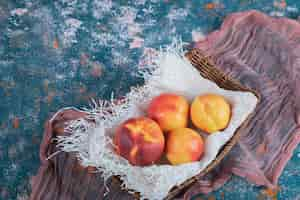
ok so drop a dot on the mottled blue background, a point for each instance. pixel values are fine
(64, 52)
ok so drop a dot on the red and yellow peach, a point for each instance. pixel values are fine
(170, 111)
(210, 112)
(184, 145)
(139, 140)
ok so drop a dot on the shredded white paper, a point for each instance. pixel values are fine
(171, 72)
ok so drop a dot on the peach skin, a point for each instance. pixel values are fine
(210, 112)
(170, 111)
(184, 145)
(139, 140)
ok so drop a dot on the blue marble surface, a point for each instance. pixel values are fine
(64, 52)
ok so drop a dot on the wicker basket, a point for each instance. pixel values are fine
(206, 67)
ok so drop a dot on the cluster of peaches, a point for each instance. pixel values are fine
(144, 140)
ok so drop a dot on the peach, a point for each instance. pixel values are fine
(184, 145)
(210, 112)
(140, 141)
(170, 111)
